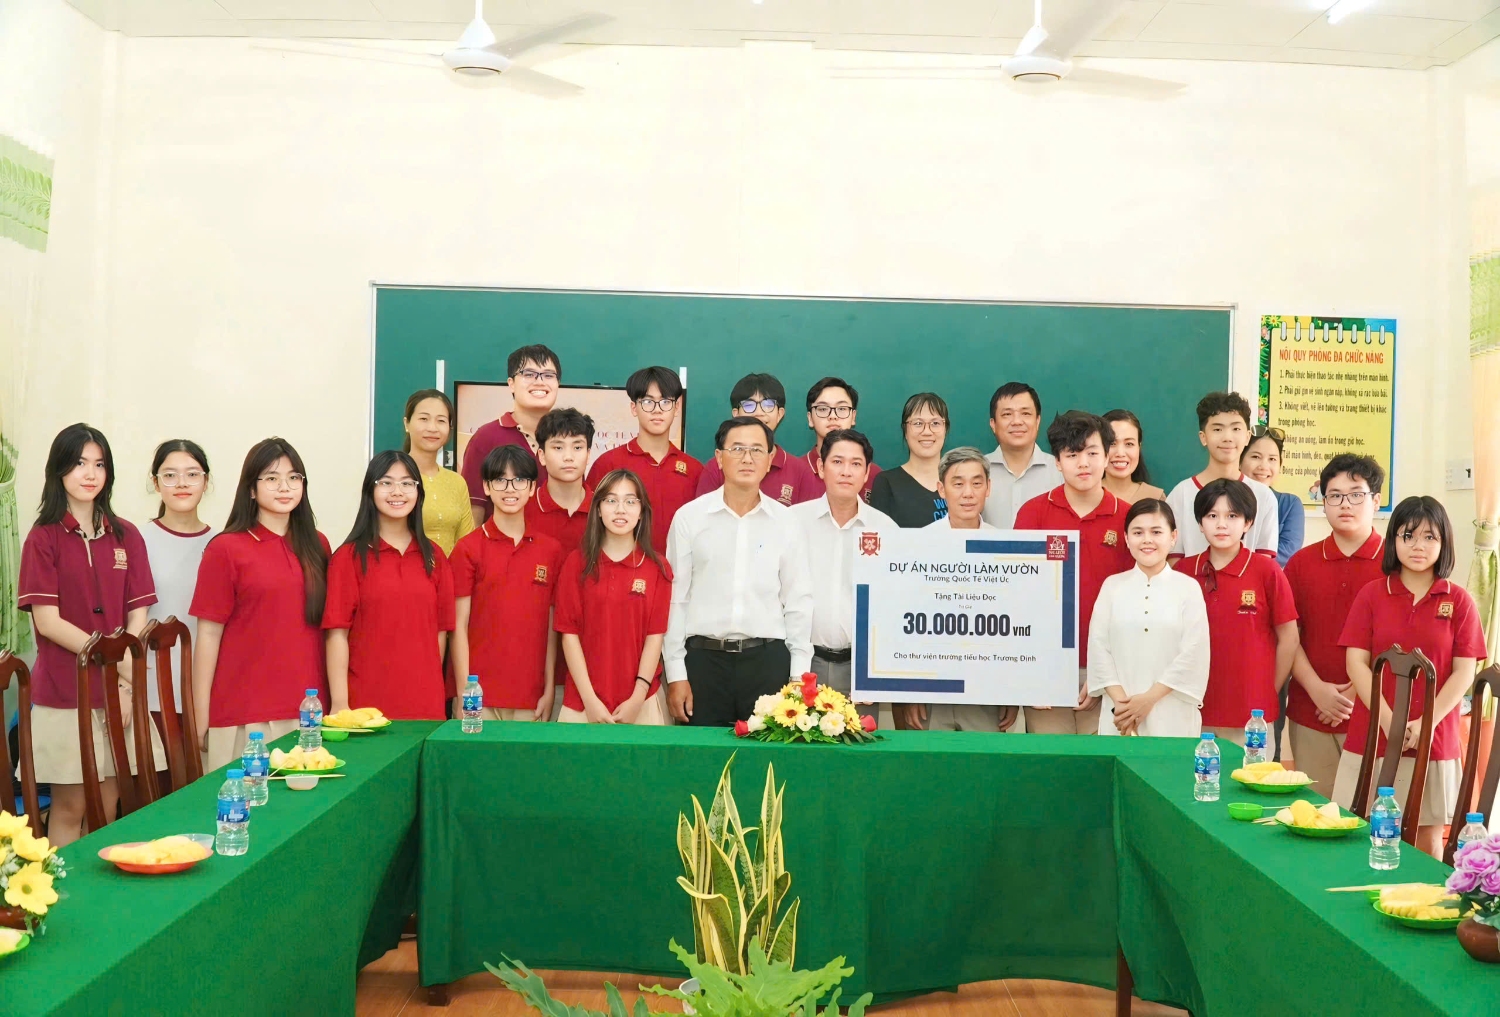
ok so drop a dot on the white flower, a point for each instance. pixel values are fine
(806, 722)
(756, 721)
(832, 724)
(763, 706)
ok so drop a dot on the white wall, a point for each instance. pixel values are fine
(256, 194)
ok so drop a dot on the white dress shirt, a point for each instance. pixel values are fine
(1009, 492)
(1262, 535)
(830, 553)
(947, 523)
(737, 577)
(1149, 629)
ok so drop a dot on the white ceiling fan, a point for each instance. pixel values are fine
(1045, 58)
(478, 57)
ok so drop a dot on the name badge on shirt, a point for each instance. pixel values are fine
(786, 494)
(1247, 602)
(122, 561)
(1445, 609)
(681, 466)
(540, 576)
(1111, 538)
(638, 587)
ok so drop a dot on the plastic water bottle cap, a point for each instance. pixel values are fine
(1208, 736)
(1257, 713)
(1387, 792)
(311, 692)
(236, 774)
(257, 736)
(473, 677)
(1475, 817)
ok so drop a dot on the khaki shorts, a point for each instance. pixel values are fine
(1317, 753)
(1439, 793)
(963, 717)
(54, 739)
(653, 712)
(226, 744)
(1062, 720)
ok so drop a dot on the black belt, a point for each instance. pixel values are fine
(834, 656)
(726, 645)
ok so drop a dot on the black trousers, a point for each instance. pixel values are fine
(726, 685)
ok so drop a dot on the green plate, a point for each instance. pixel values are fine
(338, 765)
(383, 723)
(1313, 831)
(21, 944)
(1274, 789)
(1420, 923)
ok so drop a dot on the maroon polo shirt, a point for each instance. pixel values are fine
(93, 584)
(812, 459)
(790, 480)
(546, 516)
(1324, 584)
(488, 437)
(612, 612)
(670, 484)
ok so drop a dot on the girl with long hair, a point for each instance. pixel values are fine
(259, 604)
(1125, 473)
(612, 602)
(446, 513)
(390, 601)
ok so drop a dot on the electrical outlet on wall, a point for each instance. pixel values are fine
(1460, 475)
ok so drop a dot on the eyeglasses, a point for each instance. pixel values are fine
(387, 485)
(171, 478)
(652, 405)
(1352, 498)
(749, 406)
(927, 425)
(629, 501)
(744, 451)
(1276, 434)
(527, 374)
(1427, 539)
(837, 412)
(292, 481)
(508, 483)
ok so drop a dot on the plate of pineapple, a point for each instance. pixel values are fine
(1271, 778)
(366, 718)
(1308, 820)
(1419, 905)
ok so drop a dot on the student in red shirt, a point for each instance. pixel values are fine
(1252, 617)
(833, 405)
(1325, 578)
(534, 375)
(259, 606)
(83, 570)
(789, 480)
(504, 578)
(1417, 606)
(1080, 441)
(560, 508)
(390, 601)
(612, 603)
(669, 475)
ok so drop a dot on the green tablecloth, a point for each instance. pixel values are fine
(323, 889)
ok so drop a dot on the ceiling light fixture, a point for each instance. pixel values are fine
(1341, 10)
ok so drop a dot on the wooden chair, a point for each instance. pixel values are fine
(1405, 668)
(107, 653)
(1489, 679)
(11, 665)
(180, 736)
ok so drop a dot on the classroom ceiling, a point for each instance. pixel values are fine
(1414, 34)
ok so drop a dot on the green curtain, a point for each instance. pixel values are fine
(15, 626)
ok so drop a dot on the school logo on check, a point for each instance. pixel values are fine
(1111, 538)
(1247, 598)
(1445, 609)
(786, 494)
(681, 466)
(869, 543)
(1057, 548)
(540, 576)
(638, 587)
(121, 560)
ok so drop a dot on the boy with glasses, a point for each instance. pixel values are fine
(534, 374)
(788, 479)
(669, 474)
(833, 405)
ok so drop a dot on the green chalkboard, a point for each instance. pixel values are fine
(1155, 361)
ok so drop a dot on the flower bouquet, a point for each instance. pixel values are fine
(807, 712)
(1476, 880)
(28, 868)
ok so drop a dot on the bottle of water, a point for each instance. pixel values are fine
(234, 816)
(1385, 831)
(1206, 768)
(1255, 738)
(310, 722)
(257, 765)
(1473, 830)
(473, 706)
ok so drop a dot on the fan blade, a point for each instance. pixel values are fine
(562, 30)
(1088, 79)
(537, 83)
(1064, 40)
(427, 61)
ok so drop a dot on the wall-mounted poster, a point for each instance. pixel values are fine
(1330, 385)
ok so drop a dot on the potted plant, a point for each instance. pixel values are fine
(1476, 880)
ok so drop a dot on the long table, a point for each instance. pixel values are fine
(325, 887)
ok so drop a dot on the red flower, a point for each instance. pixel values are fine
(741, 729)
(809, 687)
(868, 723)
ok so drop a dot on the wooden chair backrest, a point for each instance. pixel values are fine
(181, 736)
(107, 653)
(1406, 669)
(1488, 679)
(13, 666)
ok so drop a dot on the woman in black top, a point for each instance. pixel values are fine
(909, 494)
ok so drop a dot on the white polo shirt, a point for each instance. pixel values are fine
(830, 553)
(1262, 536)
(1009, 492)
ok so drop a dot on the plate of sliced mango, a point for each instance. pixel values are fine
(13, 941)
(1308, 820)
(366, 718)
(1271, 778)
(298, 761)
(159, 857)
(1419, 905)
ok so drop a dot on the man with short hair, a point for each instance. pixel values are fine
(1224, 430)
(831, 529)
(669, 474)
(1019, 469)
(534, 374)
(833, 405)
(560, 507)
(742, 600)
(788, 479)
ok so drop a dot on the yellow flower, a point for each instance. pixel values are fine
(31, 890)
(829, 700)
(851, 715)
(33, 849)
(787, 711)
(12, 825)
(787, 690)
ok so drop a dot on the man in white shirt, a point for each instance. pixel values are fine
(1019, 470)
(964, 481)
(830, 528)
(1223, 429)
(742, 599)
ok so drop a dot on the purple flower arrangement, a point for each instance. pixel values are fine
(1476, 879)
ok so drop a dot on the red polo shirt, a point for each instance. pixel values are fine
(789, 481)
(251, 583)
(1101, 545)
(545, 517)
(812, 458)
(393, 611)
(93, 584)
(670, 484)
(511, 585)
(1444, 624)
(486, 438)
(1324, 583)
(612, 612)
(1246, 600)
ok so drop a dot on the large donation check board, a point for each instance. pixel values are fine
(966, 616)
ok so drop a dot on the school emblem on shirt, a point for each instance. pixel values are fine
(1111, 538)
(681, 466)
(1057, 547)
(869, 544)
(121, 560)
(786, 494)
(540, 576)
(638, 587)
(1247, 600)
(1445, 609)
